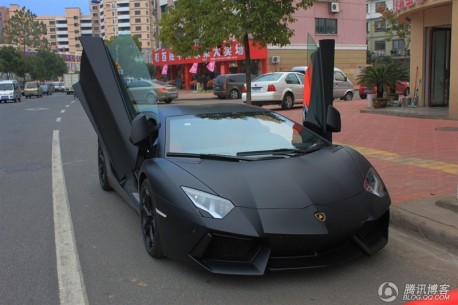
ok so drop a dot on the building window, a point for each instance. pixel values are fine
(76, 24)
(379, 45)
(75, 17)
(137, 4)
(52, 36)
(138, 20)
(379, 26)
(379, 5)
(138, 28)
(367, 27)
(53, 43)
(52, 30)
(77, 45)
(325, 26)
(95, 14)
(137, 12)
(52, 22)
(398, 44)
(94, 7)
(77, 32)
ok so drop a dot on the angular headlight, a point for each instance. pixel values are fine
(216, 206)
(373, 183)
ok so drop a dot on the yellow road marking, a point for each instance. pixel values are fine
(449, 168)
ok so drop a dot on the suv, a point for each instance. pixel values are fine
(342, 86)
(10, 91)
(229, 85)
(46, 89)
(32, 89)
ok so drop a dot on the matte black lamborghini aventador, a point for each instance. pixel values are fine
(233, 188)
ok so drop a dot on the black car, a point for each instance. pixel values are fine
(229, 85)
(231, 188)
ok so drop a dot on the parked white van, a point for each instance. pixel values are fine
(10, 91)
(342, 86)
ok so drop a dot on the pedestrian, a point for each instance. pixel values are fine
(205, 81)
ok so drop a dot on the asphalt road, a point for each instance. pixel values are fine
(114, 265)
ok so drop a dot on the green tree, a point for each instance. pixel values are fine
(23, 30)
(192, 27)
(11, 61)
(46, 65)
(394, 28)
(134, 38)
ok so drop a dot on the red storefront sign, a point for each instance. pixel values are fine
(402, 4)
(232, 52)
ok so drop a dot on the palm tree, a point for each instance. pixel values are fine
(382, 75)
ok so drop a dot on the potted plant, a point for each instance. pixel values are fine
(383, 76)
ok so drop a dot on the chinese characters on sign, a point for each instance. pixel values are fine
(232, 52)
(401, 4)
(388, 292)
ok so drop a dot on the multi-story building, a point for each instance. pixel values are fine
(4, 16)
(379, 43)
(344, 21)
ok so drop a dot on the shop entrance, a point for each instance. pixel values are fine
(438, 85)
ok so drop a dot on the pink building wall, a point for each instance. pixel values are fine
(351, 23)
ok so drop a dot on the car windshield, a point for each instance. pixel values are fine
(30, 85)
(6, 86)
(268, 77)
(235, 134)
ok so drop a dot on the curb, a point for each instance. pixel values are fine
(432, 229)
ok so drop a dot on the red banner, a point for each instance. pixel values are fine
(232, 52)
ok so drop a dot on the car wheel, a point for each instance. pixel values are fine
(103, 177)
(407, 92)
(168, 101)
(348, 96)
(363, 96)
(234, 94)
(288, 101)
(151, 99)
(148, 221)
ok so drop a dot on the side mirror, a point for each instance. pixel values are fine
(333, 121)
(143, 128)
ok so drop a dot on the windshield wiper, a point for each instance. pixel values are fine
(209, 156)
(280, 151)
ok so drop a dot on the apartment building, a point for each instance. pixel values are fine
(378, 42)
(4, 16)
(344, 21)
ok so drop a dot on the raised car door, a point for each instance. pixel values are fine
(104, 95)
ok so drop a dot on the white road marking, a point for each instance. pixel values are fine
(71, 283)
(58, 120)
(62, 111)
(36, 109)
(67, 106)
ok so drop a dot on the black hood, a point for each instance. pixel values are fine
(322, 177)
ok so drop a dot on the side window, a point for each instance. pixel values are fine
(301, 77)
(231, 79)
(292, 79)
(338, 76)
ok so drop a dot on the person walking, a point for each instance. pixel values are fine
(205, 81)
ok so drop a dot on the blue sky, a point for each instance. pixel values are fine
(49, 7)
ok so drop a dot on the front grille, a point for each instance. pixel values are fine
(229, 248)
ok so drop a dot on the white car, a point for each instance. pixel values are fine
(282, 88)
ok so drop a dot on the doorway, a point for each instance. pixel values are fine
(439, 65)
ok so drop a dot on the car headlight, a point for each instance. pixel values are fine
(373, 183)
(216, 206)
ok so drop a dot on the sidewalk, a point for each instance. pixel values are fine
(194, 95)
(415, 150)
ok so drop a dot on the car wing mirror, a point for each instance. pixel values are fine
(333, 121)
(143, 128)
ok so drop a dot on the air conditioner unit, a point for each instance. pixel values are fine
(334, 7)
(275, 59)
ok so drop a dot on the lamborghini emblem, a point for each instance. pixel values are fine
(320, 216)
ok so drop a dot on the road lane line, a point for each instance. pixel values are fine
(62, 111)
(71, 283)
(58, 120)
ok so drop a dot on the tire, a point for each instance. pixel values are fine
(102, 168)
(151, 99)
(168, 101)
(363, 96)
(348, 96)
(234, 94)
(148, 222)
(288, 101)
(407, 92)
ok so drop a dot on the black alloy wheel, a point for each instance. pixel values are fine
(348, 96)
(148, 221)
(103, 178)
(288, 101)
(234, 94)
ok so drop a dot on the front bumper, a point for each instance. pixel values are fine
(249, 241)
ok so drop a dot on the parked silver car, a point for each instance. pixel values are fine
(342, 86)
(282, 88)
